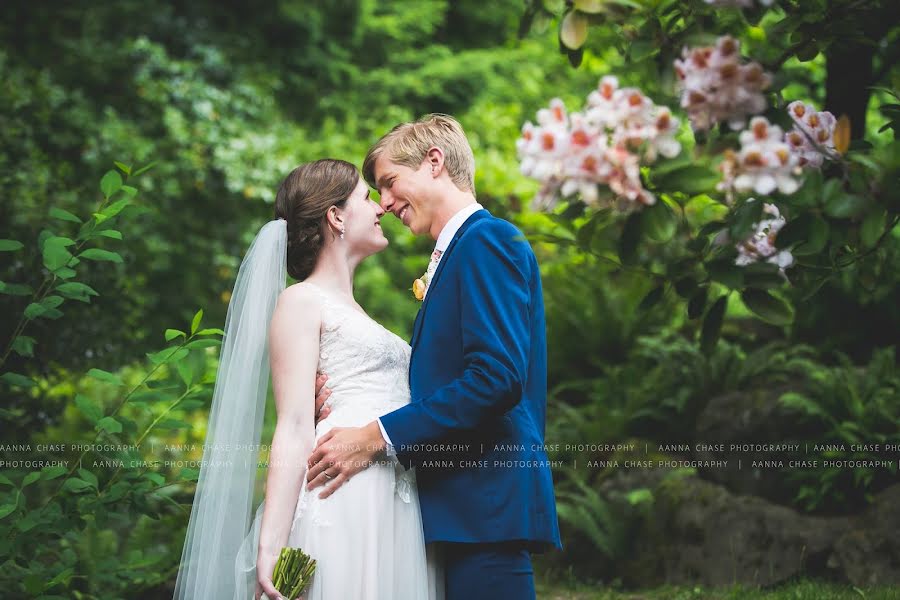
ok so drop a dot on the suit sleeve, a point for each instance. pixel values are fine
(495, 304)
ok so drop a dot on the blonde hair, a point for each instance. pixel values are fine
(408, 143)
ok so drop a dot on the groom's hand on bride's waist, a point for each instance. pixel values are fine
(342, 453)
(322, 394)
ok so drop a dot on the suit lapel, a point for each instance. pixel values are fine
(420, 317)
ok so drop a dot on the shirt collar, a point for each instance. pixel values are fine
(453, 225)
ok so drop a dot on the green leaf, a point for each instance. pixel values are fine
(744, 218)
(195, 323)
(123, 167)
(871, 229)
(98, 254)
(763, 275)
(185, 371)
(4, 480)
(31, 478)
(55, 253)
(89, 477)
(692, 179)
(109, 424)
(15, 289)
(6, 510)
(48, 473)
(768, 307)
(88, 407)
(203, 343)
(59, 213)
(10, 245)
(652, 298)
(171, 334)
(725, 272)
(712, 325)
(76, 485)
(105, 376)
(808, 233)
(17, 380)
(115, 208)
(659, 222)
(34, 310)
(145, 169)
(109, 233)
(211, 331)
(23, 345)
(110, 183)
(697, 303)
(843, 206)
(76, 291)
(630, 238)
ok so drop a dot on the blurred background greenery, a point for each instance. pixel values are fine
(221, 100)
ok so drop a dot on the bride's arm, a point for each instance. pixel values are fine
(294, 356)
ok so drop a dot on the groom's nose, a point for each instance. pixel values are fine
(386, 201)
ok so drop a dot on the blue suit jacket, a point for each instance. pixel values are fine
(474, 428)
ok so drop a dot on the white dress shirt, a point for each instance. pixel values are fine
(443, 241)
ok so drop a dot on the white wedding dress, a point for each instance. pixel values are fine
(367, 537)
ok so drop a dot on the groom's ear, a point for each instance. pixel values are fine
(435, 159)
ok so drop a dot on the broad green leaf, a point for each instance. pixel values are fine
(171, 334)
(15, 289)
(712, 325)
(89, 477)
(55, 252)
(31, 478)
(6, 510)
(105, 376)
(652, 298)
(872, 227)
(34, 310)
(98, 254)
(109, 233)
(23, 345)
(211, 331)
(10, 245)
(88, 407)
(109, 424)
(659, 222)
(59, 213)
(744, 218)
(697, 303)
(115, 208)
(692, 180)
(48, 473)
(808, 233)
(110, 183)
(195, 323)
(725, 272)
(203, 343)
(123, 167)
(76, 485)
(844, 206)
(768, 307)
(4, 480)
(76, 291)
(17, 380)
(185, 371)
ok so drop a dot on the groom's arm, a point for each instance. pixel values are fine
(495, 296)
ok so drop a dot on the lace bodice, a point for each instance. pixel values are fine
(367, 365)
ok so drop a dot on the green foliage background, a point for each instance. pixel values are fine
(222, 101)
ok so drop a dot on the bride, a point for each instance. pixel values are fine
(367, 536)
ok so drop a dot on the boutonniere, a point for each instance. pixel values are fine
(420, 285)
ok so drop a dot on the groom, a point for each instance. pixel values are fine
(474, 428)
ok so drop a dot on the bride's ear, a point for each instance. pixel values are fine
(335, 219)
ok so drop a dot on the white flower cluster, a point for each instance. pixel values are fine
(605, 144)
(760, 245)
(717, 87)
(764, 163)
(812, 138)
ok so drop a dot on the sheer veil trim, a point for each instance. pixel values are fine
(221, 511)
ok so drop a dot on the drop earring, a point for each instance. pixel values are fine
(342, 232)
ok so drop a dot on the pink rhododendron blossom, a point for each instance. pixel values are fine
(716, 86)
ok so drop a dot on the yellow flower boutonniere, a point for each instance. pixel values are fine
(418, 289)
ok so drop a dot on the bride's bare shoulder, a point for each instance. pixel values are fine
(300, 299)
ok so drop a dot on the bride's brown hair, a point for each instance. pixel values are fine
(303, 200)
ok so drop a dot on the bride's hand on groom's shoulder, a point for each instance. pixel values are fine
(265, 567)
(322, 394)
